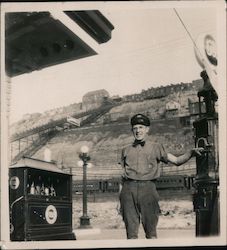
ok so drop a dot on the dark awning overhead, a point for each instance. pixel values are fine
(94, 23)
(35, 40)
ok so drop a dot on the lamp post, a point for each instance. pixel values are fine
(84, 219)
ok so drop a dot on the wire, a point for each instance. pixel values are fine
(185, 28)
(189, 34)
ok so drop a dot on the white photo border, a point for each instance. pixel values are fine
(218, 6)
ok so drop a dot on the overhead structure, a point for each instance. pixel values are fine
(94, 23)
(35, 40)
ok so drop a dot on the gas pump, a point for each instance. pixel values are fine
(206, 196)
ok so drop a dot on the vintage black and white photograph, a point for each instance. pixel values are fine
(113, 124)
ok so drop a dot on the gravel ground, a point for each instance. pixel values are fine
(175, 214)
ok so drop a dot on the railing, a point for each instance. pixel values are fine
(59, 123)
(49, 130)
(35, 146)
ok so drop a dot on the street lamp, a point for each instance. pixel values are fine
(84, 219)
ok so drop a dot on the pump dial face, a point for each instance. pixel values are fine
(51, 214)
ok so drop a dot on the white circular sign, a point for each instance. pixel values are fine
(206, 55)
(51, 214)
(210, 49)
(14, 182)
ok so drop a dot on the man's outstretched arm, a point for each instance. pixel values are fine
(179, 160)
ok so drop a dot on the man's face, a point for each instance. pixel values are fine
(140, 131)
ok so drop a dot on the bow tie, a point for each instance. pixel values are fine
(136, 143)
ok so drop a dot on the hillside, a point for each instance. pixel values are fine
(110, 132)
(154, 107)
(105, 144)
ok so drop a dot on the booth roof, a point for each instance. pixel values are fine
(37, 164)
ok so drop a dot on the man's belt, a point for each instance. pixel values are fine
(137, 181)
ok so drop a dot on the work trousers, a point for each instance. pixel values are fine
(139, 201)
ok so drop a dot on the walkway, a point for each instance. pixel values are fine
(113, 234)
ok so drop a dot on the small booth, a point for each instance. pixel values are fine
(40, 201)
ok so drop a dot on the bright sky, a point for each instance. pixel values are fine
(149, 47)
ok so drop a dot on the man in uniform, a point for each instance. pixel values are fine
(140, 162)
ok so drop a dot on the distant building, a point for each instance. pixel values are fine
(172, 105)
(94, 99)
(172, 108)
(116, 98)
(163, 91)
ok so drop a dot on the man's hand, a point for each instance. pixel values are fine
(198, 151)
(179, 160)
